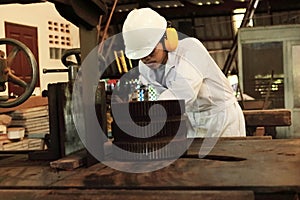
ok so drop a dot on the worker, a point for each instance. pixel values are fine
(183, 69)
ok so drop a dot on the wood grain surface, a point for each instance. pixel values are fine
(268, 167)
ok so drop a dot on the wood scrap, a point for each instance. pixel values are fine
(33, 101)
(71, 161)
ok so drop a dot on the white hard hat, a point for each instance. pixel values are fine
(142, 30)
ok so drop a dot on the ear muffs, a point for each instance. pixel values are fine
(171, 39)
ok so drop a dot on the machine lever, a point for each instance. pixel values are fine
(54, 70)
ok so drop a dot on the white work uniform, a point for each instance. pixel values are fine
(191, 74)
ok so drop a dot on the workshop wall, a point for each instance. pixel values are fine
(216, 32)
(54, 35)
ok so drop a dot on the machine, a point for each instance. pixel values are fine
(16, 48)
(63, 138)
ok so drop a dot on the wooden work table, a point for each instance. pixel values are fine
(258, 120)
(271, 117)
(235, 169)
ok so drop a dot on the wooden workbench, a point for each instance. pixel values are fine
(250, 169)
(257, 120)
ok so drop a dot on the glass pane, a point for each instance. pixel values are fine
(263, 75)
(296, 75)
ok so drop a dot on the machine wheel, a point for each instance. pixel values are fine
(69, 52)
(6, 74)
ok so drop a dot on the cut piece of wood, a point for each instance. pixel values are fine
(33, 101)
(23, 145)
(40, 125)
(15, 132)
(34, 114)
(3, 129)
(29, 110)
(38, 129)
(28, 122)
(5, 119)
(71, 161)
(3, 140)
(41, 131)
(272, 117)
(34, 119)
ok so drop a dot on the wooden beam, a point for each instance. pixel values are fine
(70, 162)
(33, 101)
(272, 117)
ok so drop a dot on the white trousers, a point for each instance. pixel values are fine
(227, 122)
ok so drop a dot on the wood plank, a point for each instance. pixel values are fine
(124, 194)
(32, 101)
(42, 129)
(28, 122)
(40, 124)
(23, 145)
(265, 166)
(255, 104)
(26, 115)
(29, 110)
(19, 171)
(272, 117)
(71, 161)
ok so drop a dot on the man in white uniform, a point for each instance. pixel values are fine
(183, 70)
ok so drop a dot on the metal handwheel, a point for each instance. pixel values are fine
(7, 75)
(73, 67)
(69, 52)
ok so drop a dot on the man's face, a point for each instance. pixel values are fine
(157, 57)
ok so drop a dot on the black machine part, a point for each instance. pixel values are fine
(72, 67)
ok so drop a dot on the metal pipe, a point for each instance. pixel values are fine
(246, 19)
(54, 70)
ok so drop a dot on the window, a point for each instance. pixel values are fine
(59, 38)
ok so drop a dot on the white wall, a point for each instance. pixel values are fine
(38, 15)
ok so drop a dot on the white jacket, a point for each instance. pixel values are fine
(191, 74)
